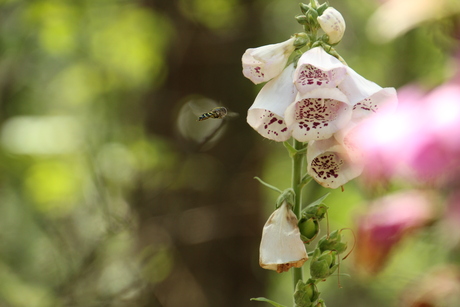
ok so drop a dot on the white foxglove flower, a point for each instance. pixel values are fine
(332, 163)
(264, 63)
(318, 69)
(318, 114)
(333, 24)
(281, 247)
(366, 96)
(266, 115)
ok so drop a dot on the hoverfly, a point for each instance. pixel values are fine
(194, 125)
(219, 112)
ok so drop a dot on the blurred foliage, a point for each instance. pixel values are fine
(72, 74)
(76, 148)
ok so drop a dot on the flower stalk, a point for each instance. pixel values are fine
(296, 184)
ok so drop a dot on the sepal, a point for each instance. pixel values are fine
(323, 264)
(305, 294)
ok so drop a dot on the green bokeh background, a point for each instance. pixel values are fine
(104, 203)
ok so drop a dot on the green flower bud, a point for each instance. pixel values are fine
(309, 229)
(304, 7)
(305, 293)
(317, 211)
(333, 242)
(320, 9)
(312, 16)
(302, 19)
(301, 40)
(324, 265)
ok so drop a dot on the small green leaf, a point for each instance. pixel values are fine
(305, 180)
(269, 185)
(292, 151)
(263, 299)
(319, 201)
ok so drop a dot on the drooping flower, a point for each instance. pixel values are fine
(266, 115)
(318, 114)
(387, 221)
(332, 163)
(366, 96)
(318, 69)
(333, 24)
(264, 63)
(281, 247)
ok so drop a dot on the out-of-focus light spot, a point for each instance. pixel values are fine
(116, 162)
(159, 265)
(444, 106)
(116, 277)
(17, 292)
(132, 47)
(53, 186)
(215, 14)
(56, 23)
(152, 154)
(385, 130)
(198, 225)
(396, 17)
(41, 135)
(77, 84)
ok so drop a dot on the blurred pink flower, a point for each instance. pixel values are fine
(420, 141)
(451, 220)
(385, 223)
(438, 287)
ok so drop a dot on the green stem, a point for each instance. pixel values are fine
(297, 167)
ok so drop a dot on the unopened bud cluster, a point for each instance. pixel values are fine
(322, 17)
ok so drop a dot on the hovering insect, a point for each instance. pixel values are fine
(219, 112)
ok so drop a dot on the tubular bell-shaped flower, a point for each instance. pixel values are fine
(333, 24)
(366, 96)
(318, 114)
(332, 163)
(266, 115)
(281, 247)
(318, 69)
(264, 63)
